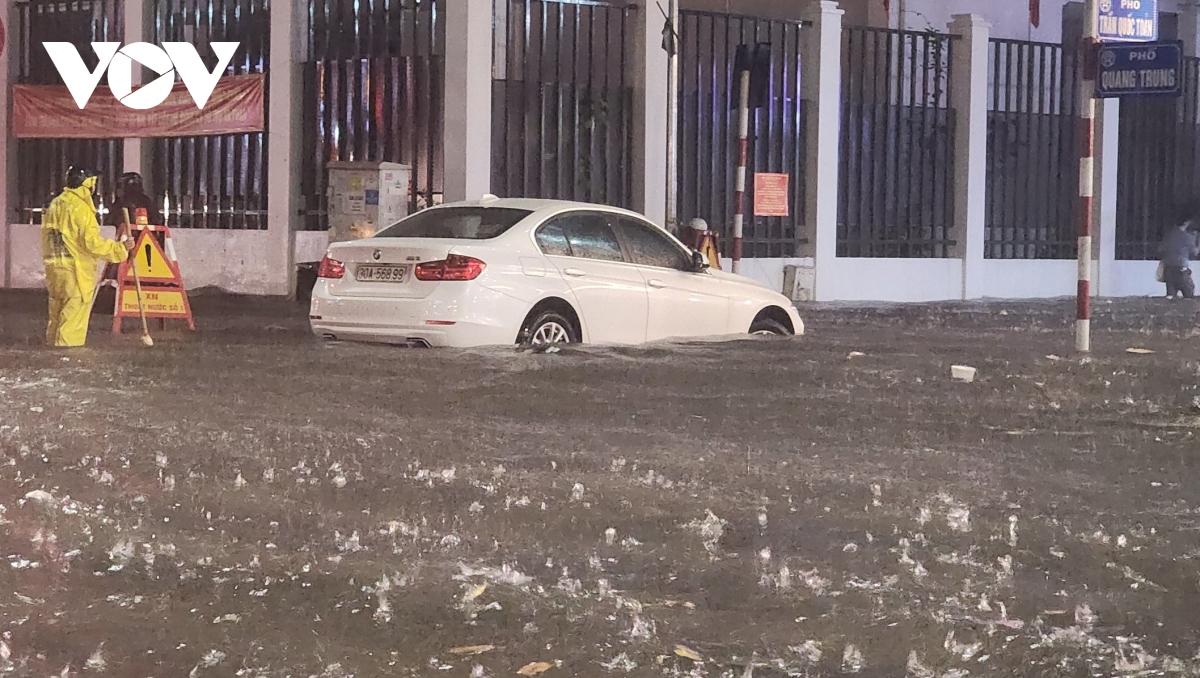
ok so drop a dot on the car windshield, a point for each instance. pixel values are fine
(456, 223)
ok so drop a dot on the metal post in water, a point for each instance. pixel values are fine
(1087, 170)
(673, 118)
(739, 196)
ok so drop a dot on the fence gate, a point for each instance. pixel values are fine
(562, 101)
(897, 146)
(42, 163)
(1033, 164)
(214, 181)
(708, 134)
(374, 91)
(1157, 176)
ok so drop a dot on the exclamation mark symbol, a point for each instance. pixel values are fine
(147, 257)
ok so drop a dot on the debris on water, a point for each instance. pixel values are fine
(1085, 618)
(688, 653)
(621, 663)
(239, 482)
(959, 519)
(1139, 351)
(36, 410)
(467, 650)
(610, 536)
(852, 659)
(41, 497)
(505, 574)
(96, 662)
(1012, 531)
(964, 651)
(963, 373)
(120, 554)
(577, 492)
(809, 651)
(762, 519)
(855, 354)
(212, 658)
(534, 668)
(916, 669)
(924, 516)
(850, 548)
(1122, 541)
(877, 495)
(1057, 552)
(710, 529)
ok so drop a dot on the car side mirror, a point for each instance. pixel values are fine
(699, 262)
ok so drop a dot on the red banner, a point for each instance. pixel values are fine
(49, 112)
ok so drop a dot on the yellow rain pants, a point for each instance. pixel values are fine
(72, 248)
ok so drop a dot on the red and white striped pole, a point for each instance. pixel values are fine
(739, 194)
(1087, 177)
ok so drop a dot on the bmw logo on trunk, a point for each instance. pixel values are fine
(376, 254)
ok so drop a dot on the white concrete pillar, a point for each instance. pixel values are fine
(467, 138)
(1108, 116)
(821, 97)
(8, 161)
(650, 96)
(284, 143)
(968, 99)
(137, 153)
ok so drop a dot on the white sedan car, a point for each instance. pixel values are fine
(504, 271)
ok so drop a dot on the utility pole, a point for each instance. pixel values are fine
(1086, 60)
(672, 39)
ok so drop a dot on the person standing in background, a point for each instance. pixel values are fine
(1178, 248)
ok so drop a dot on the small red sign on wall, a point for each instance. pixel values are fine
(770, 195)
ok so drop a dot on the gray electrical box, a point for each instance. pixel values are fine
(366, 197)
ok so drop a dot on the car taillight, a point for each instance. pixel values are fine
(331, 268)
(453, 267)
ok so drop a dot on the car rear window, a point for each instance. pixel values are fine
(456, 223)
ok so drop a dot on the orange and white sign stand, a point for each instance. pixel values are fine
(163, 294)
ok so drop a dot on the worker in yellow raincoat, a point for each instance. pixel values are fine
(72, 248)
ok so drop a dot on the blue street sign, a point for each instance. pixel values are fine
(1139, 70)
(1127, 20)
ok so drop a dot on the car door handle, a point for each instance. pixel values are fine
(574, 272)
(656, 284)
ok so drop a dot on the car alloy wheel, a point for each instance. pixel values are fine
(550, 332)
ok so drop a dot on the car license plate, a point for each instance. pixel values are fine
(392, 274)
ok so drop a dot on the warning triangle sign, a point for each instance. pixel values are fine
(150, 262)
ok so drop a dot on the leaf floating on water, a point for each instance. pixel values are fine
(472, 649)
(534, 668)
(688, 653)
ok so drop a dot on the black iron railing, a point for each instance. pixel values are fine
(374, 91)
(708, 133)
(562, 101)
(1158, 173)
(1033, 161)
(214, 181)
(897, 147)
(42, 163)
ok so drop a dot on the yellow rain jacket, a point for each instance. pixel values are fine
(72, 248)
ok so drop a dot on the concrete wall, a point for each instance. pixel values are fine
(230, 260)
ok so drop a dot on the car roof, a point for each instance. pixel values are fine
(541, 205)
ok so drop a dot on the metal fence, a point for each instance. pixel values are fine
(897, 146)
(1158, 175)
(1033, 161)
(374, 91)
(562, 101)
(708, 134)
(42, 163)
(214, 181)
